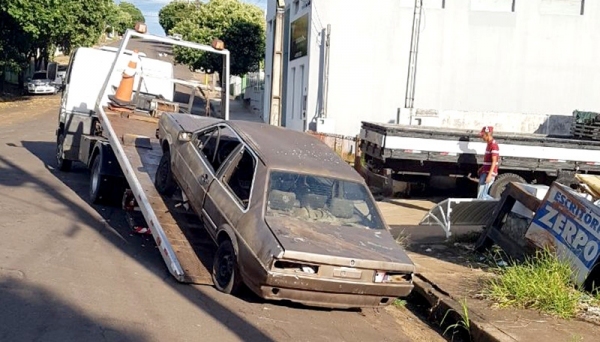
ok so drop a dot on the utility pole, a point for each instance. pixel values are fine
(277, 67)
(411, 79)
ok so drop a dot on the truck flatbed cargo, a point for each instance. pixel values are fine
(412, 153)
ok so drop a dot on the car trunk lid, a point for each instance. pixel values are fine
(339, 245)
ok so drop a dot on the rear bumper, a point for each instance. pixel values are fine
(331, 293)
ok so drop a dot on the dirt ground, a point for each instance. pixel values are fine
(16, 110)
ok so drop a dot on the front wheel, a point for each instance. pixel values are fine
(225, 272)
(164, 177)
(61, 163)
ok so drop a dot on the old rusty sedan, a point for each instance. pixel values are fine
(291, 219)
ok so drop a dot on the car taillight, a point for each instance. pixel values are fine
(391, 277)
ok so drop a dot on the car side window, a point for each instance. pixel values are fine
(239, 178)
(217, 145)
(205, 143)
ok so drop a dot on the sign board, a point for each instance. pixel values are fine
(570, 225)
(299, 38)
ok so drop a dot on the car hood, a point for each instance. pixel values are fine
(339, 245)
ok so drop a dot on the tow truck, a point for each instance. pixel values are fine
(120, 148)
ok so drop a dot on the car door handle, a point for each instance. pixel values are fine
(204, 178)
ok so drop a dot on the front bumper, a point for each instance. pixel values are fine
(41, 90)
(331, 293)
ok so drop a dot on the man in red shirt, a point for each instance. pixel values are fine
(489, 170)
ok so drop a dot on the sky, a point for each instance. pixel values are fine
(150, 10)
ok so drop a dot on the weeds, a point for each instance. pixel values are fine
(463, 324)
(399, 303)
(542, 283)
(403, 239)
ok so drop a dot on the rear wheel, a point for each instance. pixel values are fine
(98, 193)
(502, 182)
(225, 272)
(164, 178)
(61, 163)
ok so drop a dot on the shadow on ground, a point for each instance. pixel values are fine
(27, 309)
(119, 234)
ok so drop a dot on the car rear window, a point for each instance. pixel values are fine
(314, 198)
(39, 76)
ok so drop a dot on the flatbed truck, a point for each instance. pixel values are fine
(122, 151)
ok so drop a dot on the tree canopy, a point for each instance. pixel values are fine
(34, 28)
(241, 26)
(176, 11)
(124, 16)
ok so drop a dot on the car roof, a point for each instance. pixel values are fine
(289, 150)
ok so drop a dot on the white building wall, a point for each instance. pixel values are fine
(478, 63)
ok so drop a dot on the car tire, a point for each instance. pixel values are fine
(164, 182)
(502, 182)
(62, 164)
(98, 194)
(225, 271)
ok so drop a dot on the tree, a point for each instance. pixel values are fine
(134, 12)
(175, 12)
(241, 26)
(33, 29)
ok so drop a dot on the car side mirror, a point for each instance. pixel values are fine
(184, 136)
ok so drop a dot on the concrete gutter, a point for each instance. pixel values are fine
(441, 302)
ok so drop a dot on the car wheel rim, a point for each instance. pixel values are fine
(95, 179)
(225, 268)
(162, 176)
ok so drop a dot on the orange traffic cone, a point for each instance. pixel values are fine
(122, 96)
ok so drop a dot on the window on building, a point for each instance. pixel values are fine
(493, 5)
(562, 7)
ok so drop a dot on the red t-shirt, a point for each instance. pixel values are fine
(491, 150)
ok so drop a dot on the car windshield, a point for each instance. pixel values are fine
(321, 199)
(39, 76)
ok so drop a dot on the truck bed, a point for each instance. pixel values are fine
(471, 135)
(535, 152)
(184, 245)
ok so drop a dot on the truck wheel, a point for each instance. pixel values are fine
(502, 182)
(225, 272)
(97, 193)
(61, 163)
(164, 178)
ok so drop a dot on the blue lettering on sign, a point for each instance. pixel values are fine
(580, 212)
(582, 243)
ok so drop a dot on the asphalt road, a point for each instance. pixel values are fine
(72, 271)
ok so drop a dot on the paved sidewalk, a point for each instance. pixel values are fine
(447, 276)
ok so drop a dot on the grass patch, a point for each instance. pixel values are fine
(463, 324)
(542, 283)
(399, 303)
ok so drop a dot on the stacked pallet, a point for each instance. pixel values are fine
(586, 125)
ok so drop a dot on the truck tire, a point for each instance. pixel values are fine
(225, 271)
(62, 164)
(98, 192)
(164, 182)
(502, 181)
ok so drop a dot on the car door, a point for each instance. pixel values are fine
(194, 168)
(229, 198)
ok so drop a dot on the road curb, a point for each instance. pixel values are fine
(440, 302)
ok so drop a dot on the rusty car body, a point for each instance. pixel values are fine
(291, 219)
